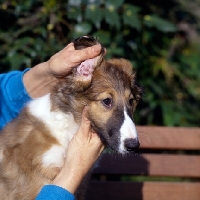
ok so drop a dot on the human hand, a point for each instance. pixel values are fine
(63, 62)
(43, 77)
(83, 150)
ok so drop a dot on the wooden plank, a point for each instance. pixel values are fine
(169, 137)
(143, 191)
(173, 165)
(172, 191)
(150, 164)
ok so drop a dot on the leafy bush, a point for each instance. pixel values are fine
(144, 32)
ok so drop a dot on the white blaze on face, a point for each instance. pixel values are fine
(127, 131)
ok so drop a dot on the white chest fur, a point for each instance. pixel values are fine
(61, 125)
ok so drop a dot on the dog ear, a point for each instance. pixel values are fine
(86, 41)
(135, 88)
(82, 74)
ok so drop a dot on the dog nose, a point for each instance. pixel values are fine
(131, 144)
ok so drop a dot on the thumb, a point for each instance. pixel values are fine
(85, 126)
(89, 52)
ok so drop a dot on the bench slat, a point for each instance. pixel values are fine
(169, 137)
(143, 191)
(160, 165)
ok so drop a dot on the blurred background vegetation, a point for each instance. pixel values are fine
(160, 38)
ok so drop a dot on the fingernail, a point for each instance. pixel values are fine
(96, 48)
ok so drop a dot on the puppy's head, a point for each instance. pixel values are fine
(113, 97)
(110, 91)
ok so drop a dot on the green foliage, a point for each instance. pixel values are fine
(144, 32)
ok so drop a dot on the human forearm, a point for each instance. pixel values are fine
(38, 81)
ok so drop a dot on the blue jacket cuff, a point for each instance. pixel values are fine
(53, 192)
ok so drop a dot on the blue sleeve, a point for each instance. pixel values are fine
(52, 192)
(13, 96)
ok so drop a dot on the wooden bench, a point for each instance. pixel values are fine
(168, 168)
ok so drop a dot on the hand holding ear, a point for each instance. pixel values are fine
(62, 63)
(40, 79)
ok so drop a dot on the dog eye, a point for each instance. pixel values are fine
(131, 101)
(107, 102)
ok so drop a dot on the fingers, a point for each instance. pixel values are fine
(89, 133)
(84, 115)
(87, 53)
(70, 47)
(86, 130)
(85, 126)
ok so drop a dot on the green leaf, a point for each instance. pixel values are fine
(17, 60)
(94, 14)
(74, 2)
(159, 23)
(74, 13)
(130, 9)
(88, 2)
(114, 3)
(132, 20)
(130, 16)
(112, 18)
(115, 51)
(82, 29)
(103, 36)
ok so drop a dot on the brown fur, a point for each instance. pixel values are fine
(26, 139)
(22, 153)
